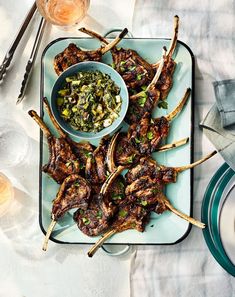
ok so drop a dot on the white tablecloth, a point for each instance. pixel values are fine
(186, 269)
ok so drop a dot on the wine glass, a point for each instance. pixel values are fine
(63, 12)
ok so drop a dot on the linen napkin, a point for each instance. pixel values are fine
(222, 138)
(225, 99)
(219, 124)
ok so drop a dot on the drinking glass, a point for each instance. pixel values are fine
(6, 193)
(63, 12)
(14, 144)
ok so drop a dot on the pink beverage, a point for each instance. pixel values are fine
(6, 193)
(63, 12)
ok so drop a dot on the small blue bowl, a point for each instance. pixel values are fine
(82, 67)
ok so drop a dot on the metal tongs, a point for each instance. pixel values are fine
(10, 53)
(31, 60)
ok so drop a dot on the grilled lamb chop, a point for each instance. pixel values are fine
(100, 163)
(73, 54)
(135, 71)
(116, 191)
(92, 221)
(165, 81)
(129, 216)
(74, 192)
(146, 182)
(146, 135)
(95, 170)
(144, 101)
(82, 150)
(62, 161)
(126, 154)
(95, 220)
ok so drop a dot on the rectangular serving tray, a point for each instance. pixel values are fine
(166, 228)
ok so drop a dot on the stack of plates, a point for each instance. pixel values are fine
(218, 213)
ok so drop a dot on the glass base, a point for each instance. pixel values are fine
(6, 194)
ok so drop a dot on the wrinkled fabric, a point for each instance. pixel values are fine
(222, 138)
(225, 100)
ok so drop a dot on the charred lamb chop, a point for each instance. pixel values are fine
(127, 154)
(74, 192)
(146, 182)
(62, 161)
(144, 101)
(129, 216)
(147, 134)
(95, 220)
(92, 221)
(82, 150)
(100, 163)
(165, 81)
(73, 54)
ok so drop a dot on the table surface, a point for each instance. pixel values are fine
(65, 270)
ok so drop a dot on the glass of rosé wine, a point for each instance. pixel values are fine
(65, 13)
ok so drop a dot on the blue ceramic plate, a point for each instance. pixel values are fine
(162, 229)
(90, 66)
(214, 198)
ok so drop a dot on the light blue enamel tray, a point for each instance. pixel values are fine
(162, 229)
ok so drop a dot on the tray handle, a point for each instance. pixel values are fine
(123, 250)
(117, 30)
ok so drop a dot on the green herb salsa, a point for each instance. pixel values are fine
(89, 101)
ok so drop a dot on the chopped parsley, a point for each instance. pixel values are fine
(162, 104)
(150, 135)
(122, 213)
(99, 214)
(117, 196)
(143, 88)
(81, 166)
(68, 163)
(86, 221)
(141, 101)
(132, 68)
(143, 202)
(131, 159)
(139, 76)
(155, 191)
(88, 154)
